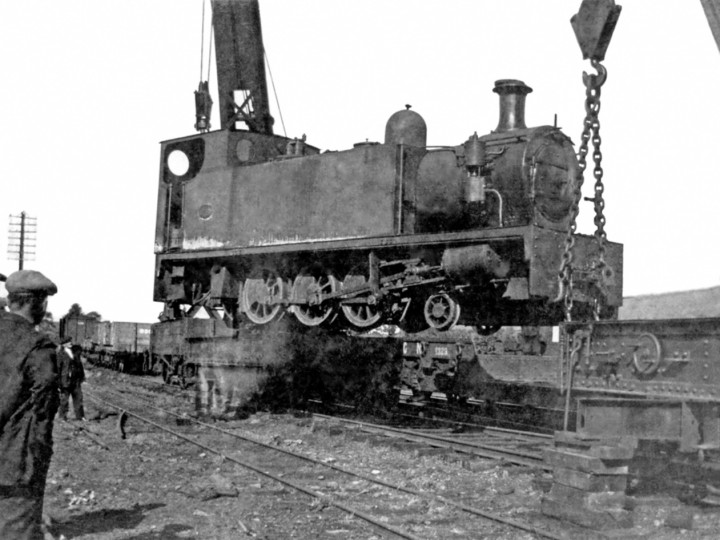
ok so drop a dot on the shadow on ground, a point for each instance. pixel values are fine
(105, 520)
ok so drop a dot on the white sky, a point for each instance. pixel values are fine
(90, 87)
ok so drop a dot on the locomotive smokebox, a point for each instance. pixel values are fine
(406, 127)
(512, 104)
(467, 263)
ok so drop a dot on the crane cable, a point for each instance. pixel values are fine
(210, 44)
(272, 82)
(202, 40)
(202, 46)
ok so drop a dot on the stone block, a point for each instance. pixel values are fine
(601, 501)
(591, 519)
(590, 481)
(582, 462)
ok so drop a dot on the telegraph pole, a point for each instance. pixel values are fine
(22, 235)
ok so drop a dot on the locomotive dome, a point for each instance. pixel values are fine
(406, 127)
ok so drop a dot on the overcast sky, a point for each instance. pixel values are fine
(91, 87)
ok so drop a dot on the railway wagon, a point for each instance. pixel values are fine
(123, 346)
(654, 380)
(169, 343)
(79, 328)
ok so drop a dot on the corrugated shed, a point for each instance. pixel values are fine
(675, 305)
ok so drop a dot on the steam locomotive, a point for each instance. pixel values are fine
(252, 225)
(256, 225)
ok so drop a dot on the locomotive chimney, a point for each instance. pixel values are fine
(512, 104)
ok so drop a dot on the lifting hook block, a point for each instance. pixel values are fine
(591, 80)
(593, 25)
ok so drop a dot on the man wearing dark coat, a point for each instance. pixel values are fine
(72, 375)
(28, 403)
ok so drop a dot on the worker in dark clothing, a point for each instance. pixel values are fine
(28, 403)
(72, 375)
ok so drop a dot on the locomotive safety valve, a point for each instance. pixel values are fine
(474, 154)
(594, 24)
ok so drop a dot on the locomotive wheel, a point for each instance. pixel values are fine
(258, 294)
(441, 312)
(308, 287)
(361, 316)
(413, 319)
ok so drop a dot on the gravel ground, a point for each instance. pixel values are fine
(149, 486)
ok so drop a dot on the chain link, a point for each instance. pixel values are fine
(590, 133)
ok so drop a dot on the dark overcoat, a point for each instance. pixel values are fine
(28, 402)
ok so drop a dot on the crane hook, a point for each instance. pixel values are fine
(592, 80)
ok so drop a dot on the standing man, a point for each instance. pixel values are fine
(72, 375)
(28, 403)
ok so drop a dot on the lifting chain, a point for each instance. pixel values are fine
(593, 25)
(593, 84)
(591, 131)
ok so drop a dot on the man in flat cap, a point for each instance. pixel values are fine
(71, 376)
(28, 403)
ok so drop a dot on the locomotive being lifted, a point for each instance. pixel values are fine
(252, 225)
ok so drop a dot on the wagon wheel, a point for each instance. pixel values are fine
(360, 316)
(308, 287)
(647, 356)
(258, 295)
(441, 312)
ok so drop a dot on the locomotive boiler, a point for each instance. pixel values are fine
(252, 225)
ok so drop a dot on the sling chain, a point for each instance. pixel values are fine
(591, 131)
(593, 25)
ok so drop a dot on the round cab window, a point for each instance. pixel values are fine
(178, 163)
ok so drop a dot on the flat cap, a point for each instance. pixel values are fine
(29, 281)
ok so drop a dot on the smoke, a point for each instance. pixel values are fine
(284, 365)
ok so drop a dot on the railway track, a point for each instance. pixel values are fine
(231, 445)
(512, 447)
(690, 481)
